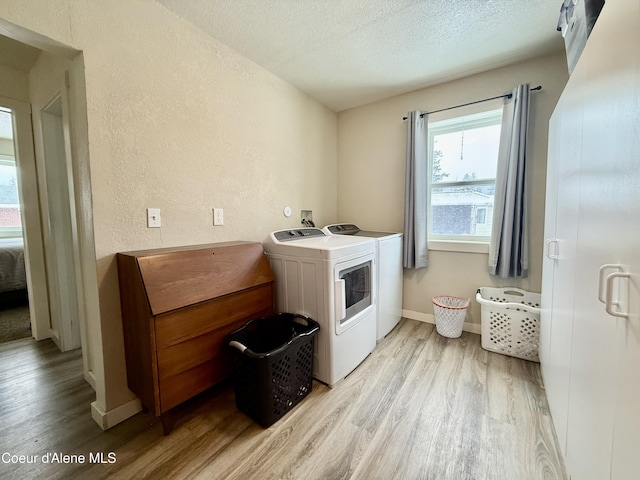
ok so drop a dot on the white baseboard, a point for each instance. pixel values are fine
(106, 420)
(429, 318)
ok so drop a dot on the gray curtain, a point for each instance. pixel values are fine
(509, 252)
(415, 196)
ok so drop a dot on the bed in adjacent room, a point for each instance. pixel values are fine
(12, 271)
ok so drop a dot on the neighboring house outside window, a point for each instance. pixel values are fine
(463, 154)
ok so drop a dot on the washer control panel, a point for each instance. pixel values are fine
(296, 234)
(344, 229)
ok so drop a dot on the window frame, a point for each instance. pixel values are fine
(10, 232)
(488, 117)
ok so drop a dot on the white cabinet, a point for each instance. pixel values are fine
(590, 358)
(626, 436)
(561, 232)
(626, 440)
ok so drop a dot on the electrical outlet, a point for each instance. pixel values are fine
(218, 216)
(153, 218)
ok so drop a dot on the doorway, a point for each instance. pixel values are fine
(15, 321)
(37, 232)
(38, 159)
(48, 78)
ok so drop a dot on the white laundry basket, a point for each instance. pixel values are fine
(449, 313)
(510, 320)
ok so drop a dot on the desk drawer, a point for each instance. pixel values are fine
(183, 356)
(175, 390)
(191, 322)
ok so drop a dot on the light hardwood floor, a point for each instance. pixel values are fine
(420, 407)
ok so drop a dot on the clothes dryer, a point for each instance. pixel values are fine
(389, 278)
(332, 280)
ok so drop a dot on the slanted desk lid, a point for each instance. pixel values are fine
(177, 278)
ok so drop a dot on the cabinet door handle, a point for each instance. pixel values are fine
(547, 248)
(608, 306)
(601, 282)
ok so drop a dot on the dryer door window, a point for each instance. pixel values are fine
(357, 288)
(353, 292)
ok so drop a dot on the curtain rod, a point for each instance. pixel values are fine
(506, 95)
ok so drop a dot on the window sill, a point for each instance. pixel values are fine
(464, 247)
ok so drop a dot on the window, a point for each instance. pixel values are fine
(10, 223)
(463, 157)
(481, 216)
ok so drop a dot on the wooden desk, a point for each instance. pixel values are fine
(178, 305)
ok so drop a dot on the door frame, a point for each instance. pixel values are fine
(30, 213)
(54, 163)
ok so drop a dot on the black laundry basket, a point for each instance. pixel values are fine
(272, 365)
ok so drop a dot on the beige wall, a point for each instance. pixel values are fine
(180, 122)
(371, 153)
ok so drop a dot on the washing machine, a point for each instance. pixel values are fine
(332, 280)
(389, 269)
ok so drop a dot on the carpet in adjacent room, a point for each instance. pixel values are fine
(14, 317)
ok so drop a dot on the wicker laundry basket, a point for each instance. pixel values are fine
(450, 313)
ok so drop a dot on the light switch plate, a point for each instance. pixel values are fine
(218, 216)
(153, 218)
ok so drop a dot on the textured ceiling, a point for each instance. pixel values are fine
(347, 53)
